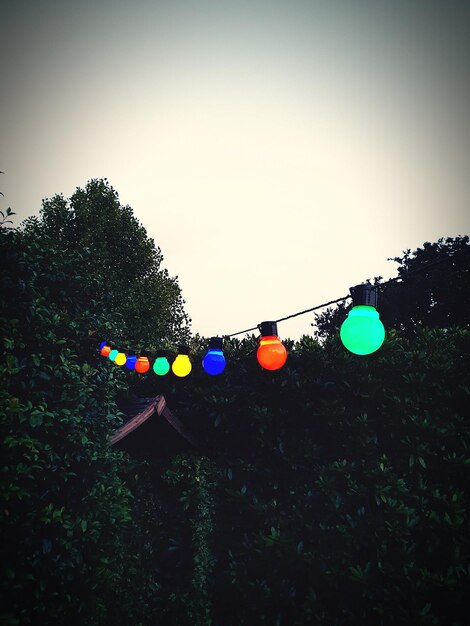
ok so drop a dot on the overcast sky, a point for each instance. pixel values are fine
(277, 152)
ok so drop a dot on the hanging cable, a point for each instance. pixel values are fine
(377, 286)
(288, 317)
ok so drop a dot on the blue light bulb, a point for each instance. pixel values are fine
(131, 361)
(214, 361)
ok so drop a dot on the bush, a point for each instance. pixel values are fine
(342, 483)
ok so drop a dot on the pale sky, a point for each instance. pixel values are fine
(277, 152)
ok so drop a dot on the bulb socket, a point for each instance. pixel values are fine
(161, 353)
(216, 343)
(365, 294)
(183, 349)
(268, 329)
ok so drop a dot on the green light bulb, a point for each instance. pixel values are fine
(161, 366)
(362, 332)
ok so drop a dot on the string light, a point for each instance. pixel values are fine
(271, 353)
(105, 350)
(161, 365)
(182, 365)
(362, 332)
(214, 361)
(142, 364)
(120, 359)
(131, 361)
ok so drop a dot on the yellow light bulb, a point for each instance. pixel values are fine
(181, 365)
(120, 359)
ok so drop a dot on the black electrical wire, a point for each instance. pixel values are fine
(403, 276)
(379, 286)
(288, 317)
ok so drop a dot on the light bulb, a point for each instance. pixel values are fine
(362, 332)
(161, 365)
(131, 361)
(214, 361)
(113, 354)
(102, 344)
(105, 350)
(142, 365)
(120, 359)
(182, 365)
(271, 353)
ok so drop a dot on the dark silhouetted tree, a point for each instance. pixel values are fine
(119, 258)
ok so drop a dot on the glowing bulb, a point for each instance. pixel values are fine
(102, 344)
(120, 359)
(271, 353)
(182, 365)
(161, 365)
(105, 350)
(142, 365)
(113, 354)
(131, 361)
(362, 332)
(214, 361)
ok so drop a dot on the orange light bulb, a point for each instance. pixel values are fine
(271, 353)
(142, 365)
(105, 350)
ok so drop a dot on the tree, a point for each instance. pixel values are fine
(69, 551)
(65, 506)
(434, 291)
(332, 491)
(121, 261)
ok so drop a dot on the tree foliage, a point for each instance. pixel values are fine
(341, 485)
(334, 491)
(70, 553)
(122, 261)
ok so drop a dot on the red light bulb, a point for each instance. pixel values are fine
(105, 350)
(271, 353)
(142, 365)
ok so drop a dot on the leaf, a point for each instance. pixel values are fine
(36, 419)
(426, 608)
